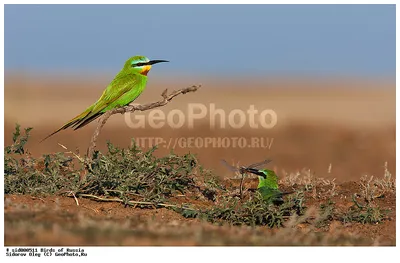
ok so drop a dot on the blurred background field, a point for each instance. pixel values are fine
(346, 124)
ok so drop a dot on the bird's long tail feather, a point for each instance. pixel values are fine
(79, 121)
(85, 121)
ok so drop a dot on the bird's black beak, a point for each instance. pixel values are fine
(152, 62)
(255, 171)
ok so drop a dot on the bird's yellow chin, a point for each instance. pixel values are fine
(145, 70)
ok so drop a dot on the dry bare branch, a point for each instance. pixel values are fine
(132, 108)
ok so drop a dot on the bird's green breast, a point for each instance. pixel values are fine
(132, 84)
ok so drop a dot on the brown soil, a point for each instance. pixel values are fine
(59, 221)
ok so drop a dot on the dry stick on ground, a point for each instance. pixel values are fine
(132, 108)
(129, 202)
(241, 186)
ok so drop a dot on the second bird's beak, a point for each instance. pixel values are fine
(152, 62)
(257, 172)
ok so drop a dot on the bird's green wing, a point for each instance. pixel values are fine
(268, 193)
(272, 195)
(125, 86)
(120, 86)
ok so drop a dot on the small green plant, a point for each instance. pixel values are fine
(327, 213)
(46, 175)
(19, 141)
(387, 183)
(132, 174)
(372, 189)
(12, 163)
(365, 214)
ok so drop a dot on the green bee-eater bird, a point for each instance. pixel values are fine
(268, 185)
(267, 181)
(127, 85)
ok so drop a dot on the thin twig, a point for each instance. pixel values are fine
(94, 210)
(121, 192)
(77, 156)
(241, 186)
(129, 202)
(76, 199)
(132, 108)
(41, 199)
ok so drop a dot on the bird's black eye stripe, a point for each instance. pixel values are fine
(139, 64)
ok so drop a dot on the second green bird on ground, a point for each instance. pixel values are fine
(267, 181)
(268, 185)
(126, 86)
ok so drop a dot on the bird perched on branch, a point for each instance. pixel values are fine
(127, 85)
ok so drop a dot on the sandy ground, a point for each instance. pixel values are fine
(58, 221)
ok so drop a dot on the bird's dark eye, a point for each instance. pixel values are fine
(139, 64)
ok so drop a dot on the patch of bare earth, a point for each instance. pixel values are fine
(58, 220)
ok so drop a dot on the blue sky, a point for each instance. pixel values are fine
(348, 40)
